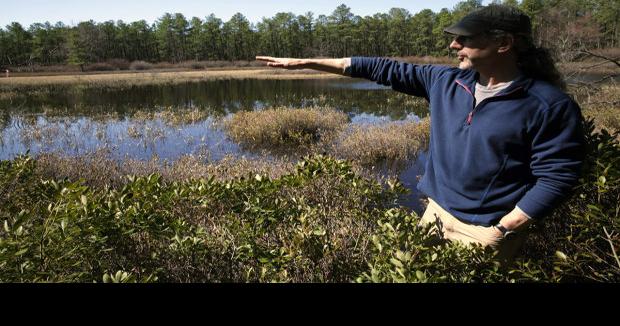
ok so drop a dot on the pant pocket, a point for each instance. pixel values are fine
(485, 236)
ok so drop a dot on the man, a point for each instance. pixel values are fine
(506, 143)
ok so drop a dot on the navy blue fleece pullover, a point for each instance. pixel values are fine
(522, 147)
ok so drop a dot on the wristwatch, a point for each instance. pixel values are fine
(504, 230)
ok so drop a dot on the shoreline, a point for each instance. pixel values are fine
(162, 77)
(167, 76)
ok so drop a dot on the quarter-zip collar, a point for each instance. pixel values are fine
(518, 88)
(469, 79)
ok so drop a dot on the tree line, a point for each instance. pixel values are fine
(563, 25)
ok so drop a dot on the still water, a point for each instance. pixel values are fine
(169, 121)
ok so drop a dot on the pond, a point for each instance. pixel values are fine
(169, 121)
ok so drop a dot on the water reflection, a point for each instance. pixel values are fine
(126, 138)
(219, 97)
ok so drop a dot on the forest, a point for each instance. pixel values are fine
(562, 25)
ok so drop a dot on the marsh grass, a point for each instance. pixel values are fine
(282, 128)
(97, 169)
(370, 147)
(173, 116)
(602, 103)
(67, 132)
(52, 130)
(129, 79)
(605, 117)
(276, 132)
(8, 95)
(58, 133)
(393, 142)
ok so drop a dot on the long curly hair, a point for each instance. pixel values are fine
(537, 62)
(534, 61)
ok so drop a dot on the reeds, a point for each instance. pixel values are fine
(98, 170)
(388, 142)
(601, 103)
(173, 116)
(281, 127)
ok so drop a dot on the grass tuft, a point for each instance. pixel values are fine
(391, 142)
(278, 128)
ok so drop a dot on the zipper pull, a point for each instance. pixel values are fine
(470, 117)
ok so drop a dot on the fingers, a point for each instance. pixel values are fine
(285, 63)
(265, 58)
(272, 62)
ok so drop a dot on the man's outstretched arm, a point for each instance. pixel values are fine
(334, 66)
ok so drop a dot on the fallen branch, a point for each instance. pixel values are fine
(594, 82)
(615, 61)
(611, 243)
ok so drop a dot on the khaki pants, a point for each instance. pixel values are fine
(448, 228)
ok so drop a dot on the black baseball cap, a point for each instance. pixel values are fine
(492, 17)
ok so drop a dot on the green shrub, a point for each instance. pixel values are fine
(307, 226)
(403, 252)
(579, 242)
(589, 246)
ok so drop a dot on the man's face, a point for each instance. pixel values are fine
(474, 51)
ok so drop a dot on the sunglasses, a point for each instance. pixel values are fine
(463, 39)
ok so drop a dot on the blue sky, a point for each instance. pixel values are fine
(72, 12)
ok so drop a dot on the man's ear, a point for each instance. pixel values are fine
(507, 42)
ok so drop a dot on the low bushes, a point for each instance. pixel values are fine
(140, 65)
(311, 225)
(109, 65)
(583, 235)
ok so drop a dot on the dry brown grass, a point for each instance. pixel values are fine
(285, 127)
(173, 116)
(605, 118)
(390, 142)
(122, 64)
(7, 95)
(97, 169)
(601, 103)
(147, 78)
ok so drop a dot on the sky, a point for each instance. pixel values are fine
(71, 12)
